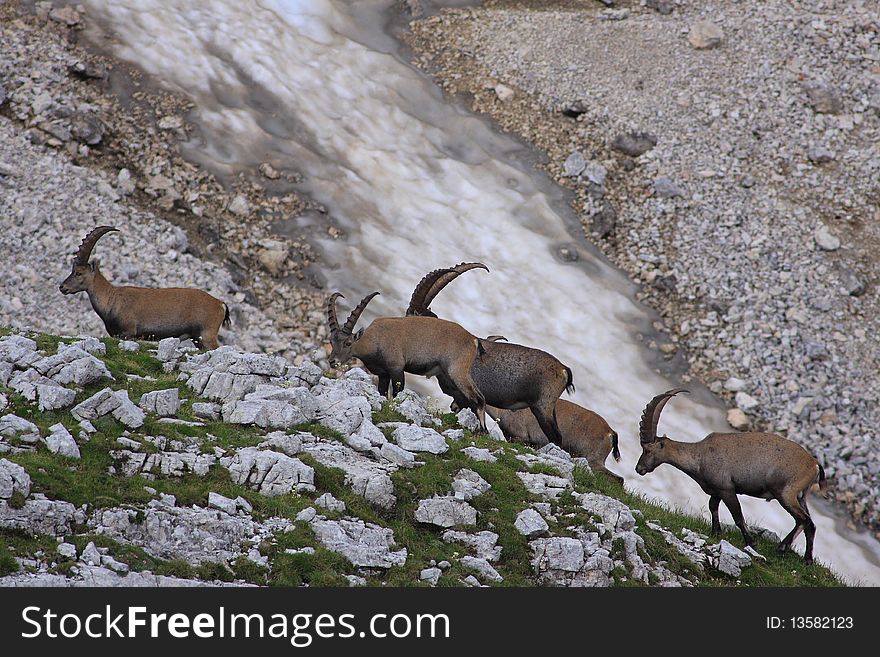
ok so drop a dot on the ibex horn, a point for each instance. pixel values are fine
(651, 415)
(356, 313)
(331, 312)
(85, 249)
(430, 286)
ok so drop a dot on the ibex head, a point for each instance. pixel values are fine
(653, 445)
(343, 339)
(83, 272)
(430, 286)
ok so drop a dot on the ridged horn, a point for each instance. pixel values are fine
(331, 312)
(430, 286)
(88, 244)
(356, 313)
(651, 415)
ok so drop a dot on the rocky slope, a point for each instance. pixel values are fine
(137, 464)
(725, 156)
(87, 141)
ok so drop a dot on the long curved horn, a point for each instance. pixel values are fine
(356, 313)
(85, 249)
(430, 286)
(331, 312)
(651, 415)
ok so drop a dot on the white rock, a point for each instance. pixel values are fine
(543, 485)
(327, 501)
(529, 523)
(240, 206)
(59, 441)
(484, 543)
(468, 484)
(90, 555)
(167, 349)
(163, 403)
(745, 401)
(222, 503)
(734, 384)
(825, 239)
(364, 544)
(207, 410)
(264, 413)
(129, 345)
(12, 425)
(307, 514)
(18, 350)
(398, 455)
(420, 439)
(82, 372)
(13, 479)
(467, 419)
(574, 164)
(430, 575)
(272, 473)
(614, 513)
(557, 553)
(282, 442)
(412, 406)
(101, 403)
(705, 35)
(504, 92)
(195, 534)
(445, 512)
(54, 397)
(42, 516)
(67, 550)
(127, 412)
(483, 567)
(479, 454)
(366, 477)
(454, 434)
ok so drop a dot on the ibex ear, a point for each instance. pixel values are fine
(360, 332)
(93, 265)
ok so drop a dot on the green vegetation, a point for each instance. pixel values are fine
(89, 481)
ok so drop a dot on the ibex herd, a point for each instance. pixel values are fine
(519, 386)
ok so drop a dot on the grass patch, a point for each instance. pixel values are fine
(779, 570)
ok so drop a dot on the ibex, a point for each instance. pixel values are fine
(391, 346)
(141, 312)
(509, 376)
(761, 465)
(584, 433)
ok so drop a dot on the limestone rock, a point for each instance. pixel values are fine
(59, 441)
(530, 524)
(445, 512)
(271, 473)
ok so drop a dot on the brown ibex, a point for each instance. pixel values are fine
(142, 312)
(391, 346)
(725, 465)
(584, 433)
(509, 376)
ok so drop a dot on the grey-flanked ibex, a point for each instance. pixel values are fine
(391, 346)
(142, 312)
(725, 465)
(509, 376)
(584, 433)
